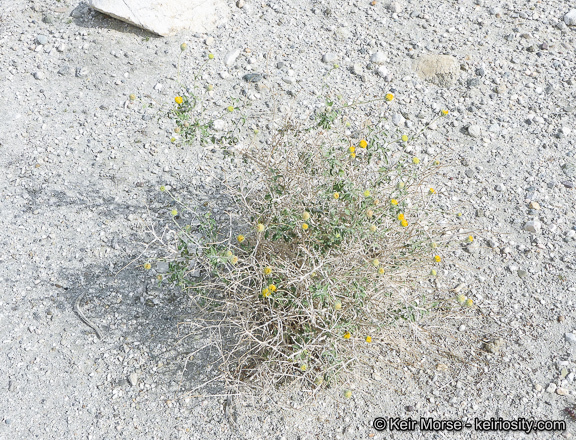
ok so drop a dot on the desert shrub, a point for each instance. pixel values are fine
(332, 238)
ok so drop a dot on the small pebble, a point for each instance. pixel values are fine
(240, 3)
(475, 131)
(570, 337)
(39, 75)
(42, 39)
(231, 56)
(533, 226)
(570, 18)
(378, 58)
(329, 58)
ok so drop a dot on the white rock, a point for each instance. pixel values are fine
(551, 388)
(442, 70)
(219, 124)
(378, 58)
(570, 18)
(133, 379)
(570, 337)
(533, 226)
(231, 56)
(357, 69)
(398, 119)
(382, 71)
(475, 131)
(39, 75)
(166, 17)
(395, 7)
(329, 58)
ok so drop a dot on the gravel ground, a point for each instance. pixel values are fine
(81, 166)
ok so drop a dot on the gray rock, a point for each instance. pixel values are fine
(569, 169)
(568, 183)
(378, 58)
(533, 226)
(442, 70)
(162, 267)
(570, 337)
(231, 56)
(551, 388)
(570, 18)
(48, 19)
(253, 77)
(494, 346)
(500, 187)
(330, 58)
(42, 39)
(475, 131)
(64, 70)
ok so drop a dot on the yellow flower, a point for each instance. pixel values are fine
(470, 239)
(389, 96)
(173, 139)
(305, 226)
(433, 273)
(401, 216)
(369, 213)
(177, 130)
(381, 271)
(444, 112)
(437, 258)
(353, 155)
(159, 277)
(234, 260)
(337, 305)
(394, 202)
(469, 302)
(367, 193)
(230, 108)
(272, 288)
(347, 335)
(404, 223)
(183, 47)
(210, 56)
(459, 214)
(376, 201)
(415, 160)
(404, 138)
(132, 97)
(265, 292)
(267, 270)
(431, 190)
(372, 228)
(461, 299)
(240, 238)
(375, 262)
(436, 163)
(368, 339)
(305, 215)
(174, 212)
(162, 188)
(352, 149)
(318, 381)
(147, 266)
(303, 367)
(336, 195)
(401, 185)
(363, 144)
(260, 227)
(228, 254)
(348, 394)
(178, 100)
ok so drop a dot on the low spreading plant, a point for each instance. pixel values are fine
(331, 240)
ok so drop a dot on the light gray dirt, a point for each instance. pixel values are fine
(81, 166)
